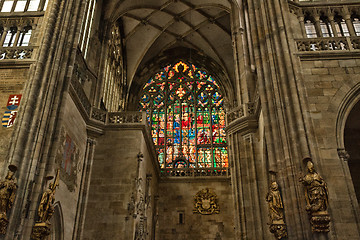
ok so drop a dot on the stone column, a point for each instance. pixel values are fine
(5, 32)
(248, 178)
(349, 25)
(332, 24)
(84, 189)
(40, 115)
(317, 25)
(17, 36)
(302, 25)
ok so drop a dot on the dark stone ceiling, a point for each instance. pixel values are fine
(152, 27)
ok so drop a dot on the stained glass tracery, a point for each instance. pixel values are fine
(184, 107)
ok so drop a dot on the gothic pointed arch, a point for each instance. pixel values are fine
(184, 106)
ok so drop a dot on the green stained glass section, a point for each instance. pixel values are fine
(184, 107)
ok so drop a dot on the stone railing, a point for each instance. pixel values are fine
(16, 52)
(234, 114)
(243, 110)
(126, 117)
(79, 90)
(328, 44)
(115, 118)
(98, 115)
(195, 172)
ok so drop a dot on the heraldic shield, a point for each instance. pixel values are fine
(206, 202)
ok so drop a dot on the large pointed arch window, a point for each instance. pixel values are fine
(184, 106)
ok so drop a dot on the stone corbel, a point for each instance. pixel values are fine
(343, 154)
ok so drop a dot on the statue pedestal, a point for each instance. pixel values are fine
(278, 228)
(40, 231)
(3, 224)
(320, 222)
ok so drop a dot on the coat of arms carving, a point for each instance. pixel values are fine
(206, 202)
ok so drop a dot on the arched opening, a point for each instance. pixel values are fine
(57, 224)
(184, 106)
(352, 145)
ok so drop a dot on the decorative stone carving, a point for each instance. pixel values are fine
(80, 93)
(196, 172)
(126, 117)
(235, 113)
(7, 197)
(140, 206)
(21, 52)
(276, 212)
(41, 228)
(343, 155)
(206, 202)
(316, 194)
(140, 229)
(131, 205)
(147, 190)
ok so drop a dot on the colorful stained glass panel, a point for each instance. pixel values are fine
(184, 109)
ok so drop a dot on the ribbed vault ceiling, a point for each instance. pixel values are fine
(153, 26)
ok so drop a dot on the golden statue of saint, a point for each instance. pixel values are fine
(46, 206)
(7, 196)
(316, 191)
(276, 208)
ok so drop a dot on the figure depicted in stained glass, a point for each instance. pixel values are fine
(187, 119)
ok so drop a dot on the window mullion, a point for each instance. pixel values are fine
(1, 3)
(27, 5)
(196, 128)
(166, 123)
(41, 5)
(14, 5)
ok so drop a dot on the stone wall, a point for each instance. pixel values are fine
(69, 158)
(12, 81)
(122, 189)
(177, 197)
(327, 82)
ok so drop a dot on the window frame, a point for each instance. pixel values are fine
(209, 149)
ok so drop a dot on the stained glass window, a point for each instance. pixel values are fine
(184, 107)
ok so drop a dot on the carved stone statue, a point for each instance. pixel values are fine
(276, 211)
(7, 197)
(46, 207)
(45, 211)
(316, 194)
(275, 203)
